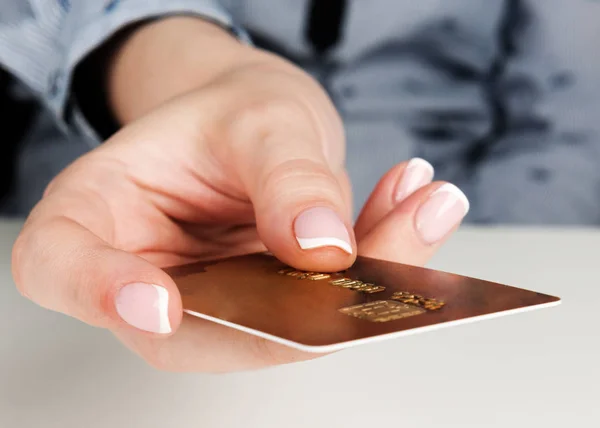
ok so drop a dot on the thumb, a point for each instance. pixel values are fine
(62, 266)
(300, 197)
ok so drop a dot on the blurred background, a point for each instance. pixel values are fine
(501, 96)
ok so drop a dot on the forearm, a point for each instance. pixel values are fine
(165, 58)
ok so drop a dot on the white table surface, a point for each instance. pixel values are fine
(536, 369)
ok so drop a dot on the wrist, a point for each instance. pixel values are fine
(166, 58)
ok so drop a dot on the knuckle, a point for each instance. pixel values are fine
(300, 178)
(262, 116)
(86, 300)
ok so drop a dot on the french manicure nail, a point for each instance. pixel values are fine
(417, 174)
(144, 306)
(442, 211)
(321, 227)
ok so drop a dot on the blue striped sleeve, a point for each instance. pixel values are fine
(89, 23)
(43, 41)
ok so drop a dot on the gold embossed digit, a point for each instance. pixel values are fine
(382, 311)
(416, 300)
(344, 282)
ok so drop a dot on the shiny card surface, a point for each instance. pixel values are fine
(324, 312)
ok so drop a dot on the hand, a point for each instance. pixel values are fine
(253, 160)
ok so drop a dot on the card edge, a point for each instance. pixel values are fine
(325, 349)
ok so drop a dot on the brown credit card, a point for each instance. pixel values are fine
(325, 312)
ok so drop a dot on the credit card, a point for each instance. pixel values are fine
(325, 312)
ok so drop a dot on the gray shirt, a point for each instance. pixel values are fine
(501, 96)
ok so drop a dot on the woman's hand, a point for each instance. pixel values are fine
(252, 160)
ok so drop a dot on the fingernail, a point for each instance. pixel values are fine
(442, 211)
(144, 306)
(321, 227)
(417, 174)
